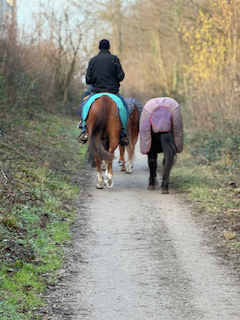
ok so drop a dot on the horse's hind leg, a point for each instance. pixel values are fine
(104, 165)
(167, 165)
(131, 148)
(108, 179)
(169, 150)
(129, 166)
(130, 158)
(165, 181)
(109, 171)
(152, 163)
(121, 161)
(99, 175)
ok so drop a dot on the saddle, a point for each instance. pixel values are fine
(91, 98)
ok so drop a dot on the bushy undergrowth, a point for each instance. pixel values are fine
(209, 172)
(222, 144)
(39, 156)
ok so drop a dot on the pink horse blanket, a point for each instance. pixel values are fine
(160, 114)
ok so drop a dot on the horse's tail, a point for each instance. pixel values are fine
(169, 149)
(90, 157)
(95, 139)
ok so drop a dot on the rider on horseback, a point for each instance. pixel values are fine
(104, 74)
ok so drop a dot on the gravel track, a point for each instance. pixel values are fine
(140, 255)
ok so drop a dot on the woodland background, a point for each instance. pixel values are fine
(186, 49)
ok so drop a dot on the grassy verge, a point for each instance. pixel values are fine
(208, 171)
(39, 159)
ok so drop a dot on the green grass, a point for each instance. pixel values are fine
(205, 184)
(210, 178)
(36, 213)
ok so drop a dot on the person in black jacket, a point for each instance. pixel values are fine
(105, 73)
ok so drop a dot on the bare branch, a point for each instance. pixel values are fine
(8, 178)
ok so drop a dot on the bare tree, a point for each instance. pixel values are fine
(64, 33)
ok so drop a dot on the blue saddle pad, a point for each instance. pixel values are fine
(116, 99)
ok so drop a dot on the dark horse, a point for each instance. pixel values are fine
(104, 128)
(161, 142)
(135, 110)
(161, 130)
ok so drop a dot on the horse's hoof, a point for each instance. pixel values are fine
(129, 170)
(165, 191)
(151, 187)
(109, 183)
(120, 162)
(99, 186)
(123, 169)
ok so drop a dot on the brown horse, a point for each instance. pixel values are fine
(104, 128)
(135, 110)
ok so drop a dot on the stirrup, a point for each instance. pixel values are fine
(83, 137)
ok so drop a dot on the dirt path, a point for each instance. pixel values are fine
(140, 255)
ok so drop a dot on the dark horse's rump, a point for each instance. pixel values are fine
(161, 130)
